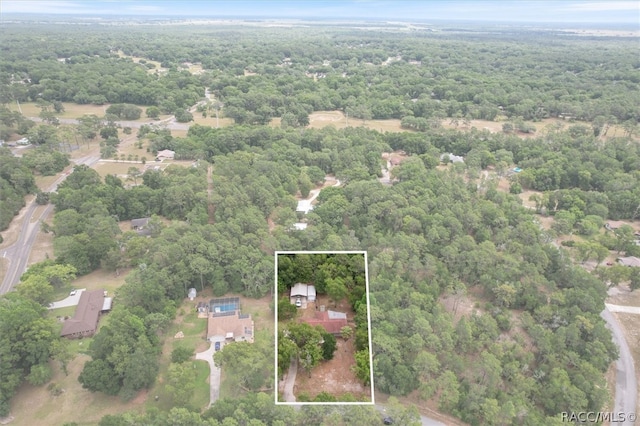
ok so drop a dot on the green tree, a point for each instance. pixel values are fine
(39, 374)
(336, 289)
(329, 346)
(181, 354)
(181, 382)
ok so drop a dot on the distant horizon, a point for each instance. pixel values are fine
(488, 11)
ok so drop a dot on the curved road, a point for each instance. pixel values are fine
(626, 384)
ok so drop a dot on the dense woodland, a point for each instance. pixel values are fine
(533, 345)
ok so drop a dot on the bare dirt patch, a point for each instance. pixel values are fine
(459, 305)
(334, 376)
(622, 295)
(524, 196)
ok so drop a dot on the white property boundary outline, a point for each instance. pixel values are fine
(366, 272)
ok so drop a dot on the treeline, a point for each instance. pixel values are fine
(603, 175)
(98, 80)
(16, 181)
(28, 337)
(371, 75)
(17, 178)
(257, 409)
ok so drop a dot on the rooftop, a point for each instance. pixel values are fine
(85, 319)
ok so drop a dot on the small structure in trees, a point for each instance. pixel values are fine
(141, 226)
(306, 293)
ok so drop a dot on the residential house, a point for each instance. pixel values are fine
(85, 319)
(141, 226)
(231, 327)
(305, 292)
(166, 154)
(629, 261)
(226, 323)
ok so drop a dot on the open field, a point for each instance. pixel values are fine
(35, 405)
(100, 280)
(320, 119)
(71, 110)
(136, 59)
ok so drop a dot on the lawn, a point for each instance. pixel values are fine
(194, 330)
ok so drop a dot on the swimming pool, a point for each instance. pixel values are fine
(225, 308)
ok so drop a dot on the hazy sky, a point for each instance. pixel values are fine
(603, 11)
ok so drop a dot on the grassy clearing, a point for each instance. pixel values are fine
(112, 168)
(101, 280)
(35, 405)
(194, 330)
(210, 120)
(71, 110)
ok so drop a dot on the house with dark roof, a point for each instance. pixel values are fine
(331, 321)
(85, 320)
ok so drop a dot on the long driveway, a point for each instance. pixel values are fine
(290, 381)
(214, 373)
(626, 384)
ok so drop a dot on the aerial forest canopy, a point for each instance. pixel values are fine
(527, 341)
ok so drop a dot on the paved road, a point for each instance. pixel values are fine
(18, 253)
(214, 374)
(626, 384)
(623, 309)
